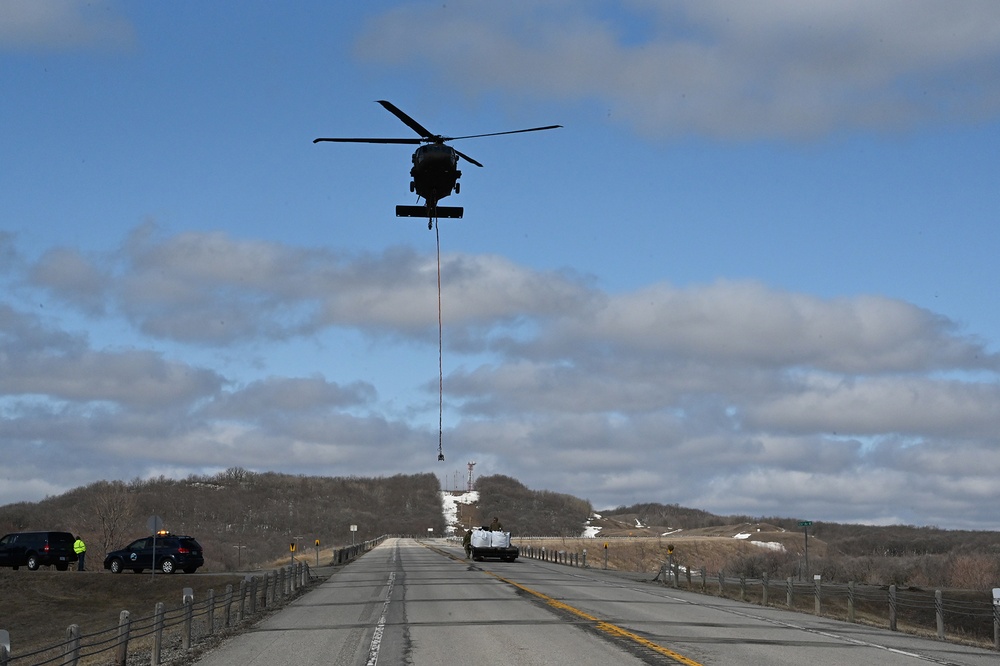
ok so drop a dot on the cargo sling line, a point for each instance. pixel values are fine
(437, 235)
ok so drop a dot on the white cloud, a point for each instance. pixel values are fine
(61, 25)
(731, 396)
(778, 68)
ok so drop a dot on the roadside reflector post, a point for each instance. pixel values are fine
(996, 618)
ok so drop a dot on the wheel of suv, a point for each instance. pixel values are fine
(167, 566)
(116, 566)
(33, 562)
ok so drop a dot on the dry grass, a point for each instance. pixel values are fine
(38, 606)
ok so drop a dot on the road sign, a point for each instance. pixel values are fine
(805, 523)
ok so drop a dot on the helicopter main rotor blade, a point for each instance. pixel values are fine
(405, 141)
(410, 122)
(476, 136)
(467, 158)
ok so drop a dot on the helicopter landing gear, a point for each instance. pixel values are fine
(458, 188)
(413, 186)
(430, 224)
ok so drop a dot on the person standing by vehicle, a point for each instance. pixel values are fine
(496, 525)
(80, 548)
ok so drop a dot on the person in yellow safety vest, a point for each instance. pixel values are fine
(80, 548)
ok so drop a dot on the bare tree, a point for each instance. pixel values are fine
(115, 509)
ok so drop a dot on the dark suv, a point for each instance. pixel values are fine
(35, 549)
(166, 552)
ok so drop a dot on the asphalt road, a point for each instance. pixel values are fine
(409, 602)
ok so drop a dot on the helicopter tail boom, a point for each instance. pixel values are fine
(452, 212)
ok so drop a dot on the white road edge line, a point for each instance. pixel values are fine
(380, 627)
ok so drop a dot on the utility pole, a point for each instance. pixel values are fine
(471, 465)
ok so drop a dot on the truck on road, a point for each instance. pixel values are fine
(493, 544)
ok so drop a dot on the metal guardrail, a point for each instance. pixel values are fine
(955, 614)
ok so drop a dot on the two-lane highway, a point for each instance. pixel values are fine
(423, 603)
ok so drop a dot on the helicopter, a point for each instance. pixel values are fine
(435, 170)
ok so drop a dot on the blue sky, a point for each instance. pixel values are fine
(753, 273)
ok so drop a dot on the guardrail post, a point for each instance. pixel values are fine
(124, 627)
(818, 592)
(253, 596)
(939, 613)
(763, 590)
(892, 607)
(722, 582)
(850, 601)
(158, 618)
(743, 588)
(229, 605)
(279, 585)
(211, 612)
(71, 653)
(704, 578)
(244, 584)
(788, 592)
(188, 600)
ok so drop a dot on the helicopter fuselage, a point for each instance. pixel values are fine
(435, 172)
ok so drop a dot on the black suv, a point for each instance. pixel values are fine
(35, 549)
(166, 552)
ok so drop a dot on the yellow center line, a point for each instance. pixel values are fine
(606, 627)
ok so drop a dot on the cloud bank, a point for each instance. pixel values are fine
(731, 396)
(777, 68)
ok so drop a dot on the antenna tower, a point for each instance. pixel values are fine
(471, 465)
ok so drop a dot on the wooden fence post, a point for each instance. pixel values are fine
(158, 616)
(743, 587)
(124, 627)
(722, 582)
(763, 590)
(788, 592)
(71, 654)
(892, 607)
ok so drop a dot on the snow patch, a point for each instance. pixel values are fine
(742, 535)
(449, 506)
(769, 545)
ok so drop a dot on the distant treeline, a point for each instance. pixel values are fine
(239, 517)
(841, 538)
(527, 512)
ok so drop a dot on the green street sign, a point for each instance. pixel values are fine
(805, 523)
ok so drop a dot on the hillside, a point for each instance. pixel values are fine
(241, 518)
(247, 520)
